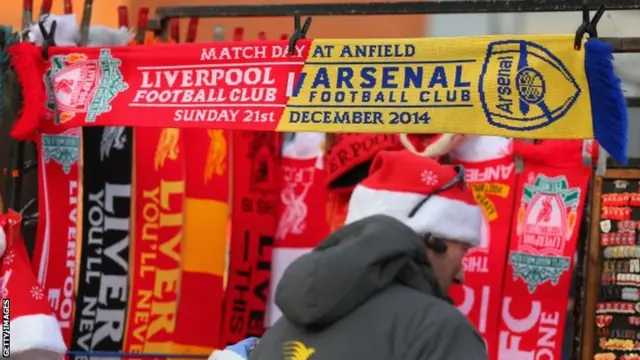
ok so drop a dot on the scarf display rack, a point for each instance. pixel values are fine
(161, 25)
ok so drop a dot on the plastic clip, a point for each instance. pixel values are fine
(588, 26)
(299, 33)
(48, 39)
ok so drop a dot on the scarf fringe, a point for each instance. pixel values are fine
(608, 105)
(27, 61)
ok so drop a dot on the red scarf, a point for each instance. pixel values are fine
(253, 228)
(130, 87)
(156, 249)
(551, 194)
(493, 185)
(302, 199)
(56, 247)
(302, 221)
(204, 249)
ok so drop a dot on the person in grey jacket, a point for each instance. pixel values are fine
(376, 289)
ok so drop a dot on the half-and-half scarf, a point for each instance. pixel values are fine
(525, 86)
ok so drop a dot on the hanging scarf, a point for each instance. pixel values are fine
(104, 257)
(253, 229)
(158, 213)
(550, 199)
(204, 248)
(302, 219)
(57, 240)
(527, 86)
(493, 185)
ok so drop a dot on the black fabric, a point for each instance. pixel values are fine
(102, 298)
(367, 292)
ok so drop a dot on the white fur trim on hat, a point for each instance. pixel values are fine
(225, 355)
(36, 332)
(3, 242)
(440, 216)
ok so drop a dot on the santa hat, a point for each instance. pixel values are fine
(400, 180)
(35, 333)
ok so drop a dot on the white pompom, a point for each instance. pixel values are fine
(100, 35)
(3, 242)
(67, 31)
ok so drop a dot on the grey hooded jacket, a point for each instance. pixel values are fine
(367, 292)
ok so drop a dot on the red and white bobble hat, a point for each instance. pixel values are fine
(35, 333)
(399, 180)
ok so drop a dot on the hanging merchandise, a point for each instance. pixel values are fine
(159, 184)
(256, 167)
(302, 197)
(204, 248)
(257, 87)
(158, 230)
(204, 256)
(491, 176)
(302, 220)
(616, 320)
(549, 203)
(57, 239)
(103, 282)
(33, 329)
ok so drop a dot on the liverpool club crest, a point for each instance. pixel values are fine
(546, 220)
(78, 85)
(63, 148)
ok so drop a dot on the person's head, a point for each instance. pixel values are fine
(430, 198)
(446, 258)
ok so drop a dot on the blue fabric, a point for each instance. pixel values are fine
(244, 347)
(608, 105)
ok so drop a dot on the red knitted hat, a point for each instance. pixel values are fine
(34, 328)
(348, 159)
(400, 180)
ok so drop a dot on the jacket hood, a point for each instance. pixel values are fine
(349, 267)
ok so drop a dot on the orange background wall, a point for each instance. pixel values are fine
(104, 12)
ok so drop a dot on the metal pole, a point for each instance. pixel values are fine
(391, 8)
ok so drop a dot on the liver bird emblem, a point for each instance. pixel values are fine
(216, 156)
(295, 350)
(167, 147)
(545, 211)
